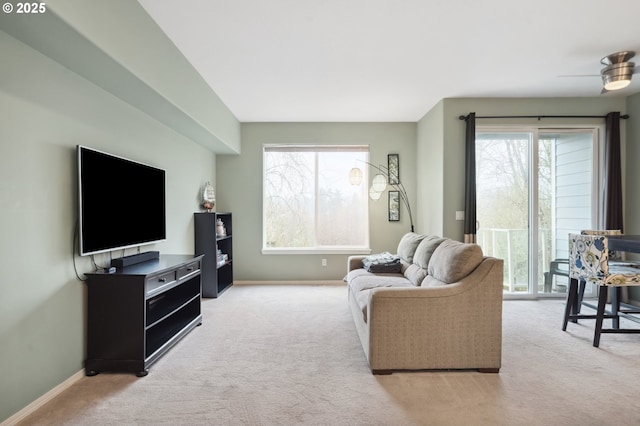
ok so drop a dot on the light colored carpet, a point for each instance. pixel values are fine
(289, 355)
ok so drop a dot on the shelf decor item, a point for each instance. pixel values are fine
(209, 197)
(220, 229)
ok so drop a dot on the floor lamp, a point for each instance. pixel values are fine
(379, 184)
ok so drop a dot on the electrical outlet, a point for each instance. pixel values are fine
(324, 262)
(460, 215)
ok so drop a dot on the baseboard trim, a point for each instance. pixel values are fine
(298, 282)
(38, 403)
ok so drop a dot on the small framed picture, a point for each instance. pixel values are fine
(394, 206)
(393, 165)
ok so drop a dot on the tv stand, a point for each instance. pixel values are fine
(134, 259)
(138, 313)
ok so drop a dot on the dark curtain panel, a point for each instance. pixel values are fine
(613, 173)
(613, 184)
(470, 181)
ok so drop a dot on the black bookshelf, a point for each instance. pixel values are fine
(217, 248)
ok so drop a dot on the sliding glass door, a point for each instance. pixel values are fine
(534, 187)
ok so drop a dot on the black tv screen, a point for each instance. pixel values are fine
(122, 202)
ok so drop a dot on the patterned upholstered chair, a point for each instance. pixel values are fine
(589, 262)
(613, 256)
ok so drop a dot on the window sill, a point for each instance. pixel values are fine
(323, 250)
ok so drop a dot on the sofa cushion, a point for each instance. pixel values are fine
(429, 281)
(360, 280)
(415, 274)
(425, 250)
(362, 299)
(361, 283)
(407, 246)
(453, 260)
(405, 265)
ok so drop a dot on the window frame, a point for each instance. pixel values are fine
(597, 183)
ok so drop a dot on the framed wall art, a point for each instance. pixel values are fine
(393, 166)
(394, 206)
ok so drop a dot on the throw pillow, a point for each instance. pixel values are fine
(453, 260)
(407, 246)
(415, 274)
(425, 250)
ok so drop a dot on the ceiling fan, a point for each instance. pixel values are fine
(617, 72)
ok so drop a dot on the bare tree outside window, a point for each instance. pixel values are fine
(504, 182)
(308, 200)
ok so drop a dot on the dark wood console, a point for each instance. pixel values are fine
(139, 312)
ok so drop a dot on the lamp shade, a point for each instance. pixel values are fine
(373, 194)
(379, 182)
(355, 176)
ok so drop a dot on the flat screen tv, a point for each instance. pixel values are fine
(122, 202)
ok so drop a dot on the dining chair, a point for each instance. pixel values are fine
(589, 262)
(613, 256)
(576, 288)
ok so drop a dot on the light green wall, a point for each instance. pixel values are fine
(47, 109)
(430, 171)
(239, 190)
(117, 46)
(632, 175)
(453, 130)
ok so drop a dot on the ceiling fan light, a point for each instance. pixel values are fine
(617, 75)
(616, 84)
(616, 79)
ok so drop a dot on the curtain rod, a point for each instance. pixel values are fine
(539, 117)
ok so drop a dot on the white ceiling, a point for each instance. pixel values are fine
(393, 60)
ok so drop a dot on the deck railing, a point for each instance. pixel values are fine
(512, 245)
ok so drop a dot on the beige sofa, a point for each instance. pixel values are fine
(443, 310)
